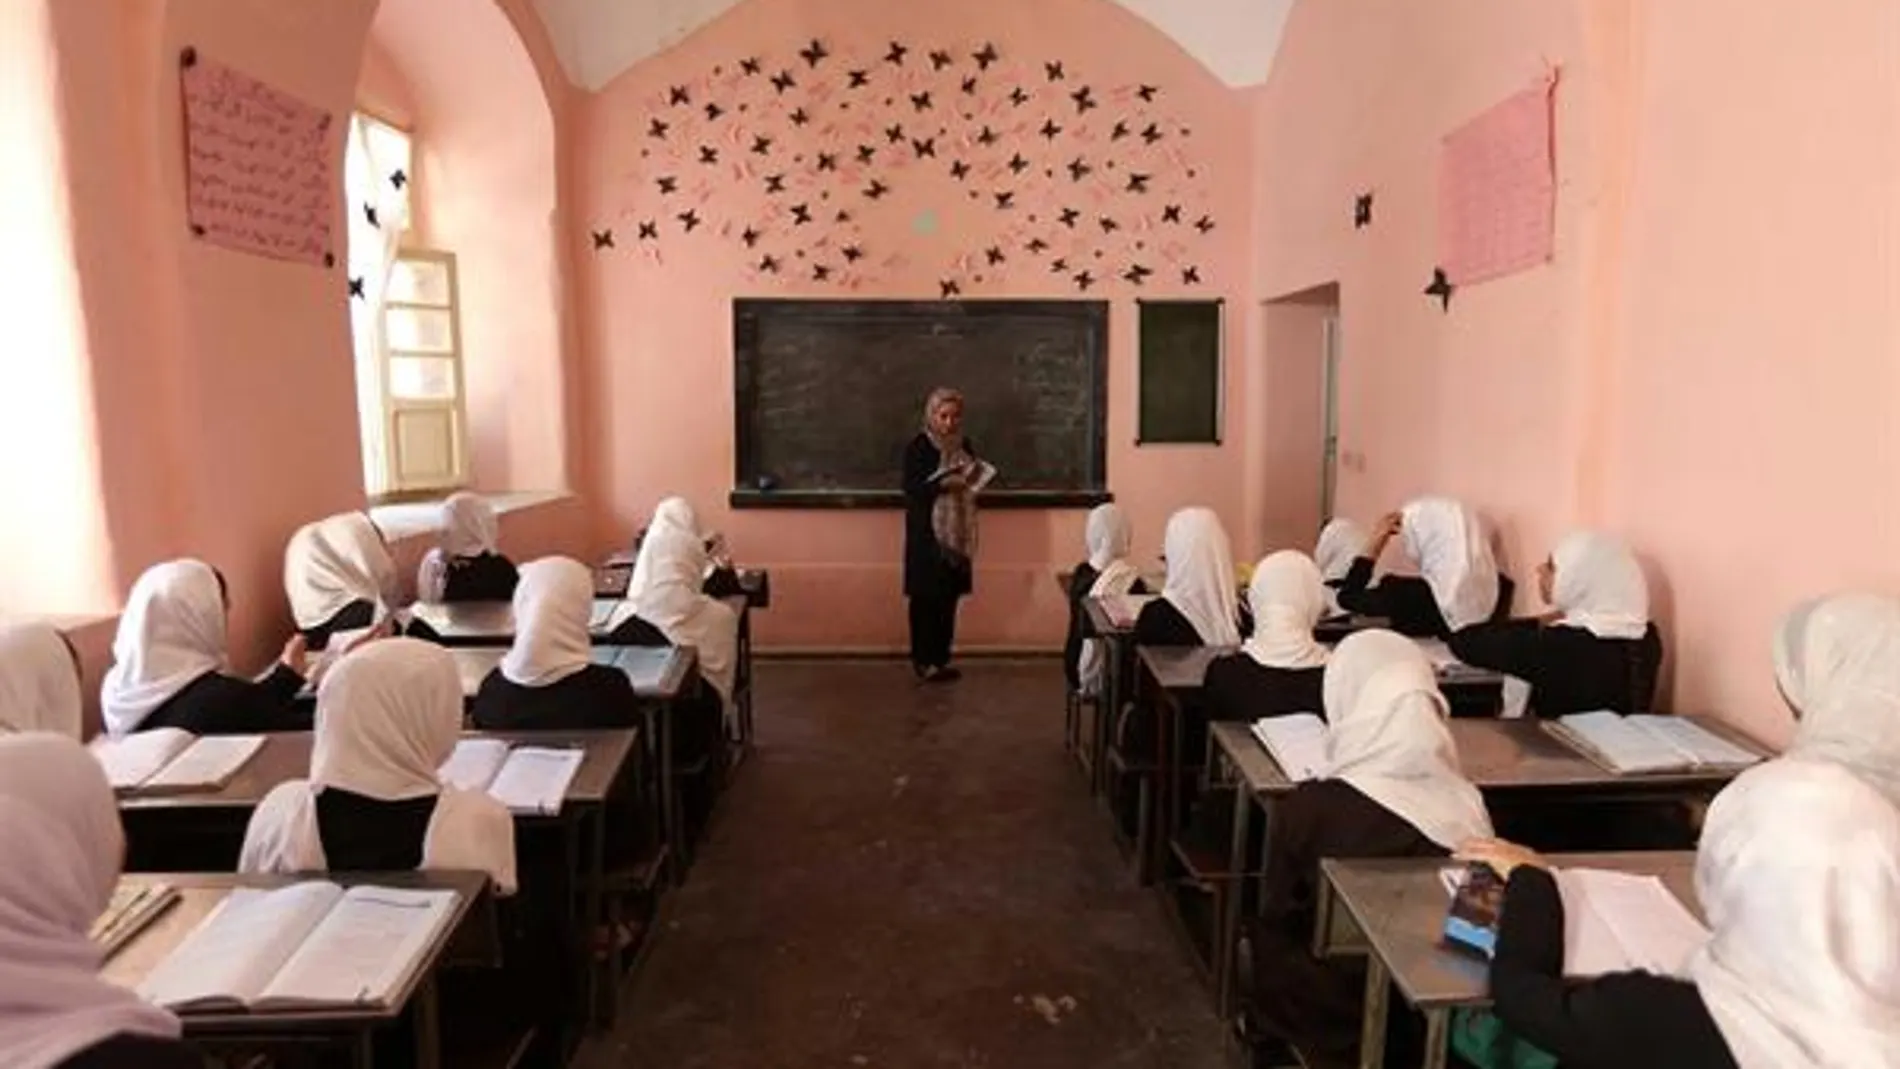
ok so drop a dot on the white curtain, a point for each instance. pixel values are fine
(375, 155)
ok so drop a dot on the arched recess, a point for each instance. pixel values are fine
(487, 188)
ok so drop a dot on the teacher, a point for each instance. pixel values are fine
(939, 532)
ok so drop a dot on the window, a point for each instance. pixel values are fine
(405, 324)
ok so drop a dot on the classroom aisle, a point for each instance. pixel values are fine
(911, 877)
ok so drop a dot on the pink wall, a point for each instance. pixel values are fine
(658, 311)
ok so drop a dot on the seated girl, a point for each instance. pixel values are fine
(1279, 668)
(340, 579)
(388, 716)
(1339, 543)
(60, 834)
(1837, 661)
(468, 565)
(1107, 573)
(548, 679)
(1392, 788)
(1597, 651)
(1199, 604)
(1458, 582)
(1798, 873)
(170, 663)
(39, 681)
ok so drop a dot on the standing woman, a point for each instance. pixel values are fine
(939, 532)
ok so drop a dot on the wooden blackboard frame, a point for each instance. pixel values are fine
(1093, 316)
(1144, 435)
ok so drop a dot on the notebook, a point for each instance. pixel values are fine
(1637, 744)
(1613, 921)
(1124, 609)
(308, 946)
(1297, 741)
(527, 779)
(173, 761)
(133, 908)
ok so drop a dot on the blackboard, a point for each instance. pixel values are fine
(828, 394)
(1180, 372)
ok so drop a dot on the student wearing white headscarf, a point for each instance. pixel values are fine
(340, 578)
(667, 593)
(388, 716)
(1837, 661)
(548, 679)
(1458, 584)
(1798, 875)
(1392, 787)
(1597, 648)
(1200, 602)
(1280, 667)
(39, 681)
(1339, 543)
(60, 835)
(468, 564)
(1106, 573)
(171, 663)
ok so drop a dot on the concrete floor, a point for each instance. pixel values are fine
(911, 877)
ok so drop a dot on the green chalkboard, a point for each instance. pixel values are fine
(1180, 372)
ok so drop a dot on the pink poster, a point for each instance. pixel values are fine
(1497, 190)
(258, 165)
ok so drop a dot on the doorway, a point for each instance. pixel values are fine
(1300, 440)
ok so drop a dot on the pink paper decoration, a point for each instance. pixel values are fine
(1497, 190)
(259, 163)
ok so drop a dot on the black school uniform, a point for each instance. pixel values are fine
(1081, 581)
(1162, 624)
(1569, 669)
(1239, 688)
(217, 704)
(597, 696)
(484, 577)
(1317, 1003)
(363, 834)
(135, 1052)
(1406, 600)
(1610, 1022)
(355, 616)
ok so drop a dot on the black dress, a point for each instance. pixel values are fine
(1569, 669)
(485, 577)
(598, 696)
(217, 704)
(1239, 688)
(355, 616)
(1406, 600)
(1619, 1021)
(932, 580)
(135, 1052)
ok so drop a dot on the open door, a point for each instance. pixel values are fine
(424, 407)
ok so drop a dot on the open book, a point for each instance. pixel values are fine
(980, 474)
(1297, 742)
(526, 779)
(133, 908)
(1124, 609)
(309, 946)
(1613, 921)
(171, 760)
(1635, 744)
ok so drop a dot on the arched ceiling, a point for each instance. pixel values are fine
(598, 39)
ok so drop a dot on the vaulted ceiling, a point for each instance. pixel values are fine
(598, 39)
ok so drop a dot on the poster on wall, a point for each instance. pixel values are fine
(1497, 189)
(259, 173)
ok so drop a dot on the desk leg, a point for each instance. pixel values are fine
(428, 1024)
(363, 1050)
(603, 973)
(669, 797)
(1372, 1031)
(1323, 920)
(1111, 700)
(1228, 923)
(1437, 1038)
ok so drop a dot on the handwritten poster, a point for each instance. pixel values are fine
(259, 165)
(1497, 190)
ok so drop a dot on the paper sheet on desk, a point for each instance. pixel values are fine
(1618, 921)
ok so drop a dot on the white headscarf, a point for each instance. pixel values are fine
(1201, 575)
(387, 718)
(1109, 538)
(1799, 876)
(39, 683)
(1838, 663)
(667, 592)
(171, 633)
(333, 562)
(60, 835)
(469, 529)
(672, 515)
(1340, 543)
(553, 604)
(1448, 542)
(1599, 587)
(1287, 599)
(1387, 737)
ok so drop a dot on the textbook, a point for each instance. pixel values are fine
(982, 473)
(1647, 743)
(1297, 742)
(133, 908)
(173, 761)
(309, 946)
(529, 780)
(1613, 921)
(1124, 609)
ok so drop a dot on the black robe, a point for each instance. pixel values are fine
(598, 696)
(1617, 1021)
(217, 704)
(352, 617)
(927, 572)
(1569, 669)
(484, 577)
(1406, 600)
(1239, 688)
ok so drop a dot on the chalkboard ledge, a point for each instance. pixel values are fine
(893, 499)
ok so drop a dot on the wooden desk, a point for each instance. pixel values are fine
(658, 673)
(611, 580)
(1393, 911)
(200, 893)
(488, 623)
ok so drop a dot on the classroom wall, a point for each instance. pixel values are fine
(657, 312)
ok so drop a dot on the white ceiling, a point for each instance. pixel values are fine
(598, 39)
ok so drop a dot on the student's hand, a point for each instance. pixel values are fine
(296, 655)
(1500, 856)
(1383, 532)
